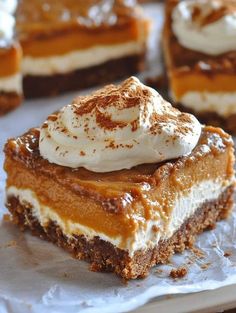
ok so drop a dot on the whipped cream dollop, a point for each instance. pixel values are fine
(116, 128)
(207, 26)
(8, 6)
(7, 23)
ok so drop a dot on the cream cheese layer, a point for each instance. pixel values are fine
(12, 83)
(79, 59)
(222, 103)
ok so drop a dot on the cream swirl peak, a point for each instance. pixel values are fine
(207, 26)
(116, 128)
(7, 23)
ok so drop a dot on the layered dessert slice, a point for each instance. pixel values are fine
(75, 44)
(120, 178)
(10, 60)
(200, 54)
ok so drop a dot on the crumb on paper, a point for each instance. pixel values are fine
(9, 244)
(205, 266)
(179, 272)
(7, 218)
(227, 254)
(159, 271)
(198, 253)
(191, 260)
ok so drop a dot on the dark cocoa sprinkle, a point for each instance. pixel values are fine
(82, 153)
(113, 145)
(57, 148)
(75, 137)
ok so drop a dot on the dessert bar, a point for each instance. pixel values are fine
(75, 44)
(200, 55)
(120, 178)
(10, 58)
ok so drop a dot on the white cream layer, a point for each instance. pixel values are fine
(12, 83)
(185, 206)
(222, 103)
(78, 59)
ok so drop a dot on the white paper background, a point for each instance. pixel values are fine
(37, 277)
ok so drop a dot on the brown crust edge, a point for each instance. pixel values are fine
(104, 256)
(9, 101)
(212, 118)
(43, 86)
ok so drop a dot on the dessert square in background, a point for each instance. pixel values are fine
(10, 63)
(67, 45)
(200, 55)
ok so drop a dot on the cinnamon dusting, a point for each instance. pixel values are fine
(129, 95)
(208, 15)
(120, 97)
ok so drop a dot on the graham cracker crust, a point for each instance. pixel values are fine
(9, 101)
(212, 118)
(104, 256)
(43, 86)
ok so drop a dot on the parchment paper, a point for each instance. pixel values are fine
(36, 276)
